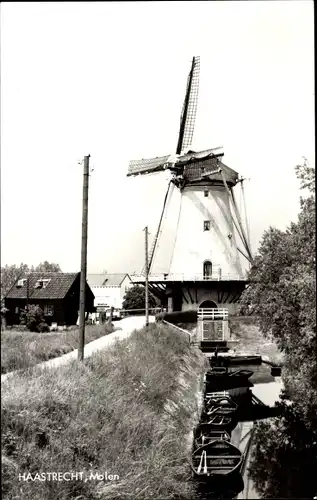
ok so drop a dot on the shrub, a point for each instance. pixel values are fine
(35, 319)
(178, 316)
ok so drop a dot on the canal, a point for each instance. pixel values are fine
(264, 391)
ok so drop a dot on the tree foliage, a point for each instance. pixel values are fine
(282, 294)
(48, 267)
(10, 274)
(135, 298)
(284, 460)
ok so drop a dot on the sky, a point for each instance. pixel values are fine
(108, 79)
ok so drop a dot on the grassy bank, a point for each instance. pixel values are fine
(127, 410)
(251, 340)
(24, 349)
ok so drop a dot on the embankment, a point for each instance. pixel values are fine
(251, 340)
(125, 415)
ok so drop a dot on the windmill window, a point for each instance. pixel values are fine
(206, 225)
(207, 269)
(206, 192)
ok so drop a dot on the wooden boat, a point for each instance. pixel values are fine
(221, 400)
(220, 410)
(218, 421)
(217, 458)
(229, 379)
(227, 425)
(222, 406)
(208, 435)
(234, 360)
(241, 373)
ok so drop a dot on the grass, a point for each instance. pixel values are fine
(123, 411)
(252, 340)
(23, 349)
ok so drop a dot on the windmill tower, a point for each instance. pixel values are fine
(209, 252)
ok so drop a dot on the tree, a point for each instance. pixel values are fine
(135, 298)
(282, 294)
(284, 459)
(48, 267)
(10, 274)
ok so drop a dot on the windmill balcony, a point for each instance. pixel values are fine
(189, 277)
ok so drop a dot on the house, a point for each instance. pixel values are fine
(57, 294)
(109, 289)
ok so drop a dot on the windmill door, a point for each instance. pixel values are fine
(212, 330)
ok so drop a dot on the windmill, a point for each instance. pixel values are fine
(211, 247)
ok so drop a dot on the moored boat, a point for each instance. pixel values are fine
(228, 379)
(208, 435)
(219, 406)
(221, 401)
(217, 458)
(235, 360)
(217, 421)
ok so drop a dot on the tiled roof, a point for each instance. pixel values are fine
(106, 279)
(57, 287)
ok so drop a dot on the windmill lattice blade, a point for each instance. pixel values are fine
(188, 117)
(148, 165)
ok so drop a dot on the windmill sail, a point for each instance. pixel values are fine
(189, 111)
(146, 166)
(160, 163)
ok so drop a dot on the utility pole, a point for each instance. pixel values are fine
(146, 268)
(83, 269)
(27, 291)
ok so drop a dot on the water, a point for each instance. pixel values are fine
(267, 389)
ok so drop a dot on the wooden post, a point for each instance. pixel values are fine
(146, 267)
(83, 271)
(27, 292)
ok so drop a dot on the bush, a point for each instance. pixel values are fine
(43, 327)
(178, 317)
(35, 320)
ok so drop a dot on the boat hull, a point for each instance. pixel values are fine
(235, 360)
(217, 458)
(208, 436)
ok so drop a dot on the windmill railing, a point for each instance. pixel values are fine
(189, 277)
(212, 313)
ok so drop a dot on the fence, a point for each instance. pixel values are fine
(179, 329)
(188, 277)
(212, 313)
